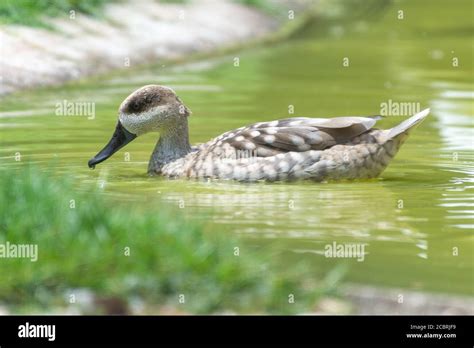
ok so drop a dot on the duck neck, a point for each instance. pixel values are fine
(172, 145)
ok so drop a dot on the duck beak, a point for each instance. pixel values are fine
(120, 138)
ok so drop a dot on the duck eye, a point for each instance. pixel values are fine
(140, 104)
(134, 106)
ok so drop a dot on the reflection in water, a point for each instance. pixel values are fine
(308, 212)
(456, 127)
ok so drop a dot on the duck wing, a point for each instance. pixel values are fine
(294, 134)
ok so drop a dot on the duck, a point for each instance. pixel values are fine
(297, 148)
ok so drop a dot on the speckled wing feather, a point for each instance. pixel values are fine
(297, 134)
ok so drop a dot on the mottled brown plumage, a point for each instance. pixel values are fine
(288, 149)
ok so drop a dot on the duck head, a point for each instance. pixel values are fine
(151, 108)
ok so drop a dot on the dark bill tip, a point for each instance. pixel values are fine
(120, 138)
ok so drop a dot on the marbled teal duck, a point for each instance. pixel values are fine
(288, 149)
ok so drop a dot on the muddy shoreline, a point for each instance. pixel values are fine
(78, 45)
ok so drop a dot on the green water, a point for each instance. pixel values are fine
(416, 220)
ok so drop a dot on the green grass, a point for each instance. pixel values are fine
(267, 6)
(83, 248)
(34, 12)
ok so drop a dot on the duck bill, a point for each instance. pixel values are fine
(120, 138)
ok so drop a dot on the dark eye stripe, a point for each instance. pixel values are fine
(142, 103)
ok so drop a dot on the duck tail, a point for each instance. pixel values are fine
(408, 125)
